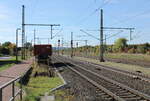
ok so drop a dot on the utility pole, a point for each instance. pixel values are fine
(105, 39)
(77, 44)
(48, 40)
(86, 46)
(62, 44)
(101, 37)
(76, 48)
(131, 34)
(51, 31)
(26, 48)
(34, 36)
(31, 48)
(23, 30)
(23, 33)
(71, 44)
(105, 46)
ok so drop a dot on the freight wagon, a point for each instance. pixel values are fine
(43, 52)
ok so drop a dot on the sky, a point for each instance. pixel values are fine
(74, 15)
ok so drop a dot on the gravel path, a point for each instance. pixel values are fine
(11, 73)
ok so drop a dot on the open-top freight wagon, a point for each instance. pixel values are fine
(43, 52)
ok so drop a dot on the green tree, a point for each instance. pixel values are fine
(120, 45)
(8, 48)
(143, 48)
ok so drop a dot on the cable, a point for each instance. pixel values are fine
(136, 36)
(101, 6)
(57, 33)
(132, 17)
(114, 35)
(89, 34)
(98, 38)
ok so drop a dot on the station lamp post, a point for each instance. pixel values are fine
(17, 30)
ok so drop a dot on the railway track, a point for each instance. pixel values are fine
(135, 75)
(108, 88)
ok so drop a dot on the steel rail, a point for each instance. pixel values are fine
(124, 72)
(95, 84)
(142, 95)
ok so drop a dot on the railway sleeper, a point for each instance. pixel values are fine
(108, 99)
(120, 90)
(105, 96)
(114, 87)
(105, 99)
(133, 99)
(99, 91)
(128, 96)
(117, 90)
(127, 93)
(100, 94)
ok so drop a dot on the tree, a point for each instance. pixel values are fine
(143, 48)
(120, 45)
(8, 48)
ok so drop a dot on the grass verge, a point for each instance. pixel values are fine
(4, 64)
(138, 57)
(127, 67)
(3, 67)
(38, 86)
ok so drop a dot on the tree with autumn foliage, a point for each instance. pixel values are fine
(7, 48)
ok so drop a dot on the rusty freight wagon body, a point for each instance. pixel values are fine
(42, 52)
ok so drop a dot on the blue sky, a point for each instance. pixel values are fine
(74, 15)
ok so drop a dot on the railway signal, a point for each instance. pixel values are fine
(85, 45)
(58, 46)
(71, 44)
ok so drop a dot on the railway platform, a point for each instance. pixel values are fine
(12, 73)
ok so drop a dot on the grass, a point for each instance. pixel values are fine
(126, 56)
(139, 57)
(63, 95)
(3, 67)
(127, 67)
(4, 64)
(39, 86)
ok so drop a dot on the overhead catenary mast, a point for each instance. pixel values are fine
(23, 30)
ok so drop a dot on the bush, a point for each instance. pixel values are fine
(148, 52)
(120, 45)
(132, 50)
(141, 49)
